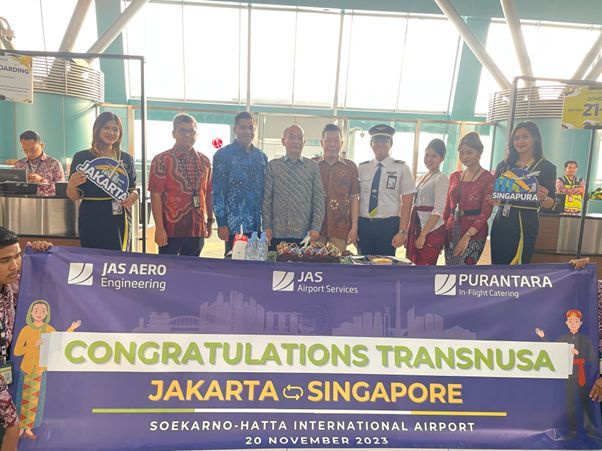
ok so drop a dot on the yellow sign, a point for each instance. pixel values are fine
(582, 107)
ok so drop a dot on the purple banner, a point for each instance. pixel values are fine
(121, 351)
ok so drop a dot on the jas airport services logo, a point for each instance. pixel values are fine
(80, 274)
(445, 284)
(309, 282)
(283, 281)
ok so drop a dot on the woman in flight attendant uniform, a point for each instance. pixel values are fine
(426, 234)
(104, 223)
(516, 223)
(468, 208)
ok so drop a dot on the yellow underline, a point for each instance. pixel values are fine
(451, 413)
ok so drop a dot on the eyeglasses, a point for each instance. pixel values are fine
(186, 131)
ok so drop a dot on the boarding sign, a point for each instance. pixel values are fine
(185, 353)
(582, 107)
(16, 78)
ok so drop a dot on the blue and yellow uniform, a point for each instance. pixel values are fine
(101, 224)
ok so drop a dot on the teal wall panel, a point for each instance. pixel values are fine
(7, 129)
(65, 124)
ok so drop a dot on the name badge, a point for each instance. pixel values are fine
(6, 371)
(196, 201)
(391, 181)
(117, 208)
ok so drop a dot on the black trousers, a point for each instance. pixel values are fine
(577, 398)
(506, 234)
(192, 245)
(375, 235)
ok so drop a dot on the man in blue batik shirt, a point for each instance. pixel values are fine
(238, 172)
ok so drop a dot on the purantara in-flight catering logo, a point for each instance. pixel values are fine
(487, 285)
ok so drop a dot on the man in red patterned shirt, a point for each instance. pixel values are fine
(10, 269)
(41, 168)
(181, 195)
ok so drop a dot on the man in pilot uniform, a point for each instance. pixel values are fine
(386, 192)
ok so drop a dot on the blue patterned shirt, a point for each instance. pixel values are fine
(238, 187)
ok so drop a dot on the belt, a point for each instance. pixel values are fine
(467, 212)
(378, 219)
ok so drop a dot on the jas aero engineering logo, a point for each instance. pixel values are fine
(445, 284)
(283, 281)
(80, 274)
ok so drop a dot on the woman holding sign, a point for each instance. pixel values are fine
(104, 178)
(516, 222)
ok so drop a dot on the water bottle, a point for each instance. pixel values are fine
(252, 245)
(263, 247)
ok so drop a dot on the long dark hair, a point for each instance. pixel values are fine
(99, 123)
(531, 127)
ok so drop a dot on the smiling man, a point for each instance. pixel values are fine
(181, 194)
(238, 173)
(293, 197)
(341, 188)
(386, 191)
(41, 168)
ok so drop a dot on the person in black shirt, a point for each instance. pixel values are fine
(516, 223)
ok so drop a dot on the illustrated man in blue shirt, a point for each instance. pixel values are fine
(238, 173)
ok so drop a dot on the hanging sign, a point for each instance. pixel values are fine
(582, 107)
(16, 78)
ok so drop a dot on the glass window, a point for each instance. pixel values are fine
(272, 55)
(212, 52)
(156, 33)
(551, 48)
(428, 67)
(316, 58)
(371, 68)
(25, 18)
(358, 141)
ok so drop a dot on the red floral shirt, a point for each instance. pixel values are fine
(179, 176)
(473, 195)
(50, 169)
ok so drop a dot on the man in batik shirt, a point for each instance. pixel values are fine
(41, 168)
(181, 195)
(238, 173)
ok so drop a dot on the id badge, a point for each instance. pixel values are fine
(196, 201)
(506, 210)
(391, 181)
(6, 371)
(116, 207)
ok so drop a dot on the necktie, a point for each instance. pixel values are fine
(374, 192)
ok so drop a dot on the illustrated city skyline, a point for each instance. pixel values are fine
(236, 315)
